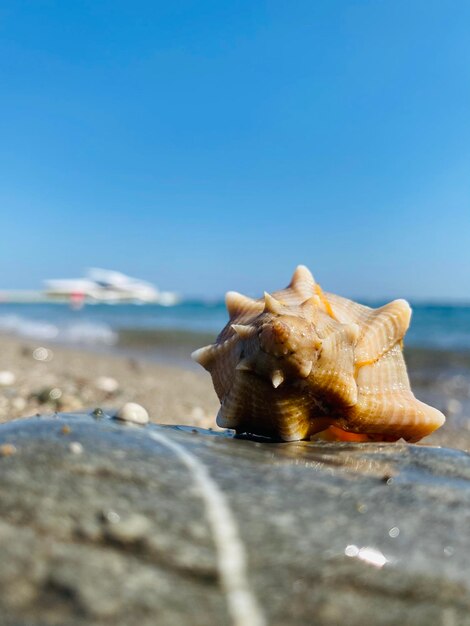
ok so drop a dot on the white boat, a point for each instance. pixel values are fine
(102, 285)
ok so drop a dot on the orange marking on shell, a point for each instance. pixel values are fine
(324, 300)
(357, 366)
(344, 435)
(364, 363)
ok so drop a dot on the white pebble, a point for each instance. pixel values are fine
(132, 412)
(75, 447)
(129, 529)
(55, 394)
(19, 404)
(106, 383)
(7, 378)
(43, 354)
(112, 517)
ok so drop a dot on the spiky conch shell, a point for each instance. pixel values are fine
(301, 361)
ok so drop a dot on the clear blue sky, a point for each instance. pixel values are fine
(213, 145)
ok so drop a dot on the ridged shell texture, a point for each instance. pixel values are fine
(301, 361)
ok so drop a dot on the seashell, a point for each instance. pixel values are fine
(133, 413)
(300, 361)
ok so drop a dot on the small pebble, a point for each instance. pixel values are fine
(130, 529)
(7, 449)
(7, 378)
(111, 516)
(19, 404)
(107, 384)
(65, 430)
(42, 354)
(75, 447)
(55, 393)
(132, 412)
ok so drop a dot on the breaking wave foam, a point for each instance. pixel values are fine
(82, 333)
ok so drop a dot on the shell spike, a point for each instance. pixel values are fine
(244, 331)
(237, 303)
(305, 369)
(204, 356)
(277, 378)
(244, 366)
(385, 328)
(303, 281)
(398, 312)
(311, 304)
(404, 311)
(271, 305)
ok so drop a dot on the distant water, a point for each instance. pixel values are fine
(151, 328)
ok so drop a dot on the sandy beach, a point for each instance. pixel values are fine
(44, 379)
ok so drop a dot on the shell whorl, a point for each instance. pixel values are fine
(298, 360)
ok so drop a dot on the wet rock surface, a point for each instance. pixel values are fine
(105, 523)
